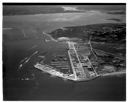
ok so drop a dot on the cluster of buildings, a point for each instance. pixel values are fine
(78, 54)
(61, 63)
(75, 65)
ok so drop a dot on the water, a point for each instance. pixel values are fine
(49, 22)
(53, 88)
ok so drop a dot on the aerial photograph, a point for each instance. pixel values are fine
(64, 51)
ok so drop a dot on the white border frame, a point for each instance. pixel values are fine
(57, 1)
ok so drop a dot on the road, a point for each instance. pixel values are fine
(79, 66)
(74, 72)
(83, 72)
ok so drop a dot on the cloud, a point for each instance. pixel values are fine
(69, 8)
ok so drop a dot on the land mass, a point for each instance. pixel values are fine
(100, 61)
(108, 42)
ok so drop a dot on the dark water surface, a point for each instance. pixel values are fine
(53, 88)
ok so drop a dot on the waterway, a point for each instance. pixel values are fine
(46, 87)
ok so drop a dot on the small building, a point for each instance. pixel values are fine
(63, 39)
(108, 68)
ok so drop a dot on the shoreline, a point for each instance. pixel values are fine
(114, 73)
(47, 69)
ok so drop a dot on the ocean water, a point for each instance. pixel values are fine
(50, 22)
(54, 88)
